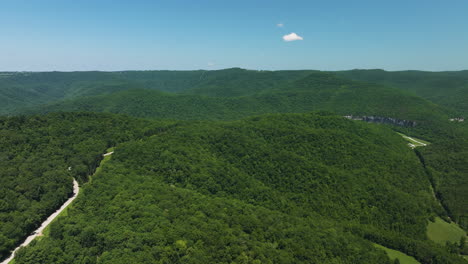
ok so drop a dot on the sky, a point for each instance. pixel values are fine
(81, 35)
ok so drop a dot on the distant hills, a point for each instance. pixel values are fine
(449, 89)
(315, 91)
(23, 90)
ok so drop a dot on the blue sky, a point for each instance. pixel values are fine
(45, 35)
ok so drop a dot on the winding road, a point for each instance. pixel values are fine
(38, 232)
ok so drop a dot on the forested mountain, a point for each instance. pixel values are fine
(19, 90)
(449, 89)
(25, 89)
(316, 91)
(239, 82)
(447, 164)
(212, 175)
(291, 188)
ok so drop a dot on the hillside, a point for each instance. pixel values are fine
(227, 95)
(449, 89)
(316, 91)
(447, 163)
(240, 82)
(35, 154)
(19, 90)
(291, 188)
(26, 89)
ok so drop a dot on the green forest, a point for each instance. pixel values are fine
(39, 157)
(233, 166)
(449, 89)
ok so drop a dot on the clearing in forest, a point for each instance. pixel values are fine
(395, 254)
(414, 142)
(442, 232)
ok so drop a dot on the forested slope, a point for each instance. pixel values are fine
(213, 95)
(447, 163)
(240, 82)
(26, 89)
(19, 90)
(449, 89)
(316, 91)
(331, 164)
(35, 154)
(291, 188)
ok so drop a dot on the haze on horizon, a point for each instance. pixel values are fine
(270, 35)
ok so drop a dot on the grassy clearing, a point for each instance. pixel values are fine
(395, 254)
(414, 142)
(441, 231)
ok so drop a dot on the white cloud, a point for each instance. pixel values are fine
(280, 25)
(210, 64)
(292, 37)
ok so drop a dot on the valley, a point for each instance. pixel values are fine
(232, 171)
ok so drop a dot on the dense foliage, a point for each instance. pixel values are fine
(297, 188)
(317, 91)
(447, 163)
(35, 154)
(449, 89)
(26, 89)
(19, 90)
(346, 182)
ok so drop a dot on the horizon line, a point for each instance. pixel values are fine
(223, 69)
